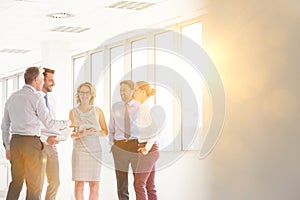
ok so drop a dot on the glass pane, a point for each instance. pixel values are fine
(1, 100)
(79, 74)
(100, 77)
(2, 150)
(193, 32)
(9, 87)
(21, 81)
(117, 71)
(78, 69)
(164, 96)
(97, 66)
(139, 59)
(192, 138)
(3, 161)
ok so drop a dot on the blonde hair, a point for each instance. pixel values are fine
(143, 85)
(92, 90)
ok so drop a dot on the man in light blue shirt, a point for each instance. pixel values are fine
(21, 131)
(122, 136)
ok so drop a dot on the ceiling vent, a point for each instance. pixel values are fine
(13, 51)
(69, 29)
(131, 5)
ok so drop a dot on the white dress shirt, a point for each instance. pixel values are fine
(24, 110)
(52, 107)
(144, 120)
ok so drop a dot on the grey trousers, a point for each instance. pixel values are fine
(52, 172)
(124, 154)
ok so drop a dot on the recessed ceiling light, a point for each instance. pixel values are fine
(60, 15)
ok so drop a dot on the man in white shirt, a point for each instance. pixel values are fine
(21, 131)
(52, 163)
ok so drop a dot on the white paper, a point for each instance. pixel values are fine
(60, 135)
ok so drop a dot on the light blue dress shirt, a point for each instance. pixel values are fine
(116, 122)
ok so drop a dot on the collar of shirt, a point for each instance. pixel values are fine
(132, 103)
(149, 101)
(42, 93)
(30, 87)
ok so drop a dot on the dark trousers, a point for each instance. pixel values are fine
(52, 172)
(124, 154)
(26, 158)
(144, 177)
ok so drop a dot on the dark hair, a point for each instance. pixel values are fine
(30, 74)
(143, 85)
(130, 83)
(47, 70)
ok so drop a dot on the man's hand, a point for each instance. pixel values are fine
(7, 154)
(52, 140)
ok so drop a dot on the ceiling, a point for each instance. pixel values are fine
(25, 24)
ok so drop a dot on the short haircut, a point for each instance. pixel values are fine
(130, 83)
(30, 74)
(47, 70)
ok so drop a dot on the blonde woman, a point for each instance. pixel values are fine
(90, 125)
(144, 179)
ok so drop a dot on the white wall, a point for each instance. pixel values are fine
(255, 45)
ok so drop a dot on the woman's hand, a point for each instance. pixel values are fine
(87, 131)
(75, 136)
(102, 133)
(143, 150)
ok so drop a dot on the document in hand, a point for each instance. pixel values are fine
(60, 135)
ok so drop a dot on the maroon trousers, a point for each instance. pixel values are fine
(144, 177)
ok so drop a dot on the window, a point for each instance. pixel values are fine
(1, 100)
(100, 77)
(139, 58)
(190, 140)
(80, 72)
(21, 81)
(9, 87)
(164, 44)
(97, 63)
(117, 71)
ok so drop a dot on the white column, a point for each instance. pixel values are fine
(57, 55)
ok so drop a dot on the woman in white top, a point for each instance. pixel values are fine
(144, 179)
(86, 156)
